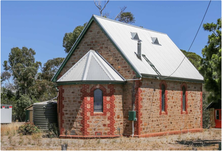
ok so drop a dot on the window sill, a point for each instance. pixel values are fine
(184, 112)
(98, 112)
(163, 113)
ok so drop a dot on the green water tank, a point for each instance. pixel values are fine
(45, 113)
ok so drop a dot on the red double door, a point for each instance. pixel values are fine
(217, 118)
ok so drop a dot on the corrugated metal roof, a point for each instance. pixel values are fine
(91, 67)
(45, 102)
(165, 56)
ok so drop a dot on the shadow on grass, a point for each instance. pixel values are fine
(197, 143)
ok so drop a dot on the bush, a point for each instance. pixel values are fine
(28, 129)
(53, 131)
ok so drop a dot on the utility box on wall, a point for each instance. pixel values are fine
(132, 116)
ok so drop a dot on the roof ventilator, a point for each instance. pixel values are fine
(136, 37)
(150, 63)
(155, 40)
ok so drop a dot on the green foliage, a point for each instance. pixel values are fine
(28, 85)
(5, 76)
(211, 61)
(50, 68)
(23, 102)
(126, 17)
(23, 67)
(43, 90)
(193, 57)
(70, 38)
(206, 115)
(8, 97)
(28, 129)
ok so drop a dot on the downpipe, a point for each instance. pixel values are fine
(132, 128)
(133, 101)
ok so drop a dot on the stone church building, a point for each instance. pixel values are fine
(123, 80)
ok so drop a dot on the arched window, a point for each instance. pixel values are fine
(98, 100)
(184, 98)
(163, 97)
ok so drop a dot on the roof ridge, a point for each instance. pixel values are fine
(97, 58)
(70, 69)
(96, 16)
(109, 65)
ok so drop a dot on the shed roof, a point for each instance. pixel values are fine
(160, 56)
(91, 67)
(215, 105)
(45, 102)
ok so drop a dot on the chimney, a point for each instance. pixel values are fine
(136, 37)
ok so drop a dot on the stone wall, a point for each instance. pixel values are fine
(70, 110)
(77, 113)
(174, 119)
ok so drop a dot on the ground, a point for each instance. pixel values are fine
(209, 139)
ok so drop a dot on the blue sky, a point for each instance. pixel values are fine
(41, 25)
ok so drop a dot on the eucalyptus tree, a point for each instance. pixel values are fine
(211, 61)
(21, 65)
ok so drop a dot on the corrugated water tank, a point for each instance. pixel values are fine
(45, 113)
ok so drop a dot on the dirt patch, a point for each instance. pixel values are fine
(207, 140)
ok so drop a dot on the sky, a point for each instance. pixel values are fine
(41, 25)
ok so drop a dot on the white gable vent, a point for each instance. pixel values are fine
(155, 40)
(135, 36)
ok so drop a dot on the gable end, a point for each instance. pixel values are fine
(54, 78)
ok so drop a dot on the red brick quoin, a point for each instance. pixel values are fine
(88, 107)
(61, 106)
(138, 107)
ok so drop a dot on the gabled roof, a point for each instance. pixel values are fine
(165, 57)
(91, 67)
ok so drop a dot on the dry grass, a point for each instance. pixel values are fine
(168, 142)
(10, 129)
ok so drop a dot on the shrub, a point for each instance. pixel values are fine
(28, 129)
(53, 131)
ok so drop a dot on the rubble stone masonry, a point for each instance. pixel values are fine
(78, 118)
(175, 120)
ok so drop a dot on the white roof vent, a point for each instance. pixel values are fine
(155, 40)
(135, 36)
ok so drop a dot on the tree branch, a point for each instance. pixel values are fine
(122, 10)
(99, 6)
